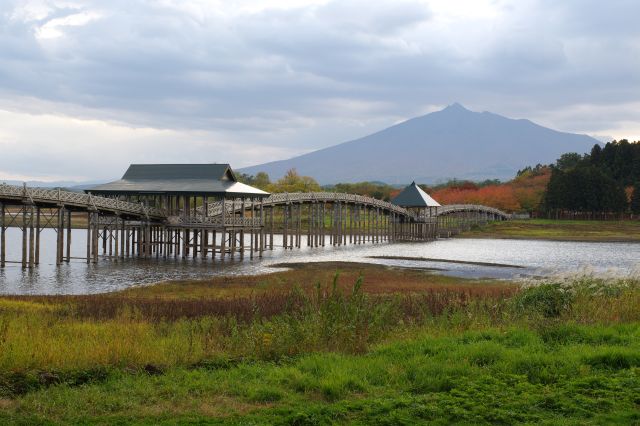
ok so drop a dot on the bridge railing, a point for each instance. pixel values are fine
(77, 199)
(454, 208)
(201, 221)
(215, 208)
(91, 202)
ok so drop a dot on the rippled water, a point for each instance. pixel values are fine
(537, 258)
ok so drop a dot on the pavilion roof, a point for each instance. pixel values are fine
(414, 196)
(178, 179)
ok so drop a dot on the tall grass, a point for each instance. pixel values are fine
(65, 335)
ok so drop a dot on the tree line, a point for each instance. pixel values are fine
(607, 180)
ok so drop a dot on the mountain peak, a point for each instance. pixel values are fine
(452, 143)
(454, 107)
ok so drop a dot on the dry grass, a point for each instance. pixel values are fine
(560, 230)
(380, 279)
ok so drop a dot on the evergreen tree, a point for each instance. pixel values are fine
(596, 155)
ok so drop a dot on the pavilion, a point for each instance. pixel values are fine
(418, 202)
(413, 198)
(178, 188)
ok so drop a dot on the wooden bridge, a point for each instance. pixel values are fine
(196, 227)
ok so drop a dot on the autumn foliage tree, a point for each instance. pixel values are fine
(524, 193)
(294, 182)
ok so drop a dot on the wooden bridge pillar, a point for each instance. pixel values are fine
(60, 236)
(3, 238)
(31, 237)
(299, 227)
(271, 227)
(262, 236)
(38, 229)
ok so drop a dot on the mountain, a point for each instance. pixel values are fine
(451, 143)
(68, 185)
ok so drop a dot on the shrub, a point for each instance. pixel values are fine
(548, 300)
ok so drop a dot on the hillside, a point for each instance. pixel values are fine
(451, 143)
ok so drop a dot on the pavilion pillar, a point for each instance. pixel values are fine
(232, 233)
(242, 227)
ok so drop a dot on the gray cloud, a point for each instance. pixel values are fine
(297, 78)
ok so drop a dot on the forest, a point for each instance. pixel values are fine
(605, 180)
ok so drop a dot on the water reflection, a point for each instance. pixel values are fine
(536, 257)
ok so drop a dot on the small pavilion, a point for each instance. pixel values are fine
(414, 199)
(179, 188)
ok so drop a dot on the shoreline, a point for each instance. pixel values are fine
(559, 230)
(471, 236)
(460, 262)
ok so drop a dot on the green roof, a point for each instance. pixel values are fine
(178, 179)
(414, 196)
(179, 171)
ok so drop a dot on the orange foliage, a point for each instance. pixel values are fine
(629, 191)
(394, 193)
(524, 193)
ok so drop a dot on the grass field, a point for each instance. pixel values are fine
(560, 230)
(373, 345)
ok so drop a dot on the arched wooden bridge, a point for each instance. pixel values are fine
(127, 229)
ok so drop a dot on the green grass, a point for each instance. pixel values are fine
(565, 353)
(561, 230)
(579, 375)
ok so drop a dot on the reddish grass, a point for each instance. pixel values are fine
(254, 297)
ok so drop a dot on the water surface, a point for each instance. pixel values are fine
(536, 258)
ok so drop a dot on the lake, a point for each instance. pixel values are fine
(533, 258)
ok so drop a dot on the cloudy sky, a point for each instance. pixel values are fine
(87, 87)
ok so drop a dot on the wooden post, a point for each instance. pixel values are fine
(109, 231)
(285, 220)
(95, 235)
(340, 223)
(271, 227)
(262, 242)
(3, 238)
(232, 234)
(60, 236)
(196, 236)
(116, 242)
(322, 229)
(223, 234)
(37, 248)
(213, 244)
(24, 236)
(242, 227)
(127, 243)
(88, 236)
(68, 236)
(251, 230)
(298, 224)
(31, 239)
(123, 231)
